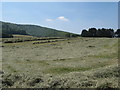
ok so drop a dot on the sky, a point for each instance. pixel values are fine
(66, 16)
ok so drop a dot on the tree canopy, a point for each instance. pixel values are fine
(93, 32)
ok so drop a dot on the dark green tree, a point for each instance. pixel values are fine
(84, 33)
(117, 33)
(4, 35)
(92, 32)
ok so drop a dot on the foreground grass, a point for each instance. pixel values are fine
(71, 63)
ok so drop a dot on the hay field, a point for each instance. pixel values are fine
(21, 36)
(61, 63)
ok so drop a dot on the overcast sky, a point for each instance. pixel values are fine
(66, 16)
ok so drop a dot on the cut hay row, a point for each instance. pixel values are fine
(16, 40)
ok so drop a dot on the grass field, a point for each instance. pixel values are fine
(21, 36)
(61, 63)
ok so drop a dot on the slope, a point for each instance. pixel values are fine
(34, 30)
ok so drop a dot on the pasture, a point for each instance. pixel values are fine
(60, 63)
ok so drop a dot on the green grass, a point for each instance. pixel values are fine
(108, 73)
(41, 62)
(73, 65)
(61, 70)
(105, 55)
(12, 69)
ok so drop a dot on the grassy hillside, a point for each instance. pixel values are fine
(69, 63)
(34, 30)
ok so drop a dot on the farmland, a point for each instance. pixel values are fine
(60, 62)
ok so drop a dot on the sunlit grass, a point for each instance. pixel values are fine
(69, 63)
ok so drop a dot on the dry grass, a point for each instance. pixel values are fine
(71, 63)
(21, 36)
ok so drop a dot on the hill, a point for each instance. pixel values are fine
(33, 30)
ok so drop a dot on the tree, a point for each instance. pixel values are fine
(112, 33)
(93, 31)
(4, 35)
(75, 35)
(117, 33)
(68, 35)
(84, 33)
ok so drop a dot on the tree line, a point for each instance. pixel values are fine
(93, 32)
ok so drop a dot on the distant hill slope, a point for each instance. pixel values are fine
(34, 30)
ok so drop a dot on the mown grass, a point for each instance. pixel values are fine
(22, 36)
(40, 62)
(108, 73)
(12, 69)
(26, 39)
(74, 65)
(63, 70)
(105, 55)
